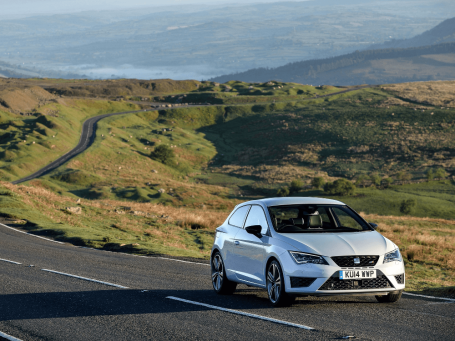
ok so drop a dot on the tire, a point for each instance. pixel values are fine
(390, 298)
(276, 289)
(220, 283)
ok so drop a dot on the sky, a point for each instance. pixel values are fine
(13, 9)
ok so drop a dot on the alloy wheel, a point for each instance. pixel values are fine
(274, 282)
(217, 272)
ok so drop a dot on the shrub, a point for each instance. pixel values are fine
(440, 173)
(375, 179)
(164, 154)
(387, 181)
(339, 187)
(296, 186)
(317, 182)
(429, 175)
(407, 206)
(283, 192)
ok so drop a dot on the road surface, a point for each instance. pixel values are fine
(152, 298)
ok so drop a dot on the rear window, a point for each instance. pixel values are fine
(238, 217)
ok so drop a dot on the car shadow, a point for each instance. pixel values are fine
(122, 302)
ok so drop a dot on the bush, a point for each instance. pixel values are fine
(387, 182)
(375, 179)
(339, 187)
(440, 173)
(407, 206)
(296, 186)
(164, 154)
(429, 175)
(317, 182)
(283, 192)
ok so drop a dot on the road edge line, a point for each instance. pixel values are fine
(86, 279)
(178, 260)
(238, 312)
(30, 234)
(432, 297)
(9, 337)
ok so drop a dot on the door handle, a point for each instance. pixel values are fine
(236, 242)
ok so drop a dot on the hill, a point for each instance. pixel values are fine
(442, 33)
(362, 67)
(256, 140)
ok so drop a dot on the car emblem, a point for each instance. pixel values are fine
(356, 260)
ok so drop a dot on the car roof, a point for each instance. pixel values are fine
(295, 201)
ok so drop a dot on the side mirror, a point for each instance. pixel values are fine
(373, 225)
(254, 229)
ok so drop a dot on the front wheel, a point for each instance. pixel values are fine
(220, 283)
(390, 298)
(275, 286)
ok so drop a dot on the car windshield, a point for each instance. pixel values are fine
(316, 218)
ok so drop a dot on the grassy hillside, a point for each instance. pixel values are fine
(256, 141)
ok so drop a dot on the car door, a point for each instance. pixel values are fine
(249, 250)
(235, 224)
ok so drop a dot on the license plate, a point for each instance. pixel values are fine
(357, 274)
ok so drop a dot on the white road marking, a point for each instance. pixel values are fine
(8, 337)
(182, 261)
(86, 279)
(241, 313)
(433, 297)
(10, 261)
(30, 234)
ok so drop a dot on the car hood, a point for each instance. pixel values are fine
(339, 244)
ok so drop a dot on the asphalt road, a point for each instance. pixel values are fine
(42, 305)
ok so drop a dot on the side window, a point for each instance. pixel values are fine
(238, 217)
(257, 217)
(346, 220)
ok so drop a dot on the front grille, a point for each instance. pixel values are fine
(301, 282)
(348, 261)
(400, 279)
(334, 283)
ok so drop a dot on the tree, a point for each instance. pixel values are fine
(361, 180)
(164, 154)
(407, 206)
(339, 187)
(375, 179)
(403, 176)
(430, 175)
(283, 192)
(440, 173)
(296, 186)
(387, 181)
(317, 182)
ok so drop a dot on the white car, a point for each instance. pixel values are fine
(304, 246)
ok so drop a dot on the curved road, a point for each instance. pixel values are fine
(152, 298)
(89, 129)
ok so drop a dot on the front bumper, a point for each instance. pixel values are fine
(326, 278)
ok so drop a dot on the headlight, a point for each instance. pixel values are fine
(306, 258)
(392, 256)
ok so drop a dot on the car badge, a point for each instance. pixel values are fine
(356, 260)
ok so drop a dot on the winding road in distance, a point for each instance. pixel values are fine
(89, 129)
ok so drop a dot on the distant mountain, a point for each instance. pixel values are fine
(362, 67)
(443, 33)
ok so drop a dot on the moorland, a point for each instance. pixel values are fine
(238, 141)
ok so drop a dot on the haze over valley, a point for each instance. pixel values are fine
(204, 40)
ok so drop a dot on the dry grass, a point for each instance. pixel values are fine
(427, 245)
(439, 93)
